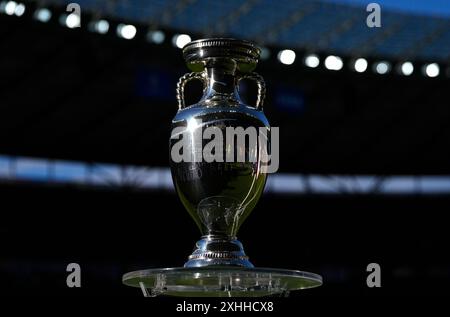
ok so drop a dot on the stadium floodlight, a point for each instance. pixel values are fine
(312, 60)
(265, 53)
(180, 40)
(43, 15)
(406, 68)
(286, 57)
(20, 10)
(100, 26)
(72, 20)
(360, 65)
(382, 67)
(431, 70)
(333, 62)
(9, 7)
(156, 36)
(126, 31)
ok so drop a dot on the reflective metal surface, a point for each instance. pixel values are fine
(218, 250)
(219, 195)
(244, 53)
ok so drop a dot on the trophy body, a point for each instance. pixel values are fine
(218, 159)
(220, 192)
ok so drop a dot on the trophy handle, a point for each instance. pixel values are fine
(183, 81)
(261, 88)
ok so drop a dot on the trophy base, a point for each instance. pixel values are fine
(218, 251)
(217, 281)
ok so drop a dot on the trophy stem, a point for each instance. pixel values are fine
(218, 250)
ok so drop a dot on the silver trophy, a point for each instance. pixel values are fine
(219, 169)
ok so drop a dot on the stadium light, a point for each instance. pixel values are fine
(360, 65)
(71, 20)
(265, 53)
(382, 67)
(156, 36)
(312, 60)
(286, 57)
(10, 7)
(406, 68)
(20, 10)
(100, 26)
(126, 31)
(180, 40)
(333, 62)
(43, 15)
(431, 70)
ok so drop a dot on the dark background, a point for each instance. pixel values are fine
(71, 94)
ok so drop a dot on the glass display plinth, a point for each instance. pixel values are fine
(220, 281)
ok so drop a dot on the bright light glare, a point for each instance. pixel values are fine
(312, 61)
(10, 7)
(432, 70)
(180, 40)
(382, 67)
(156, 37)
(286, 57)
(101, 26)
(126, 31)
(407, 68)
(73, 21)
(265, 53)
(333, 62)
(20, 9)
(192, 125)
(360, 65)
(43, 15)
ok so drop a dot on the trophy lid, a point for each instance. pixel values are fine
(244, 53)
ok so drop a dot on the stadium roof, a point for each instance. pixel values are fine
(410, 29)
(438, 8)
